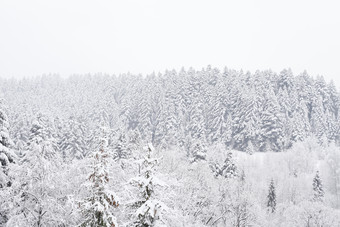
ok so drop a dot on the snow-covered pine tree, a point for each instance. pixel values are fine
(35, 197)
(246, 120)
(6, 156)
(271, 203)
(97, 207)
(42, 134)
(149, 209)
(271, 125)
(157, 110)
(171, 114)
(121, 150)
(144, 113)
(318, 192)
(227, 137)
(198, 151)
(216, 122)
(72, 142)
(196, 122)
(250, 148)
(228, 169)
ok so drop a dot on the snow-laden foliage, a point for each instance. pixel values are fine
(227, 169)
(35, 198)
(149, 209)
(220, 138)
(7, 156)
(6, 153)
(263, 111)
(98, 207)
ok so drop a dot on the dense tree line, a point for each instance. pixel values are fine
(249, 112)
(78, 151)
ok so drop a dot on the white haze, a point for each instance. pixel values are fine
(68, 37)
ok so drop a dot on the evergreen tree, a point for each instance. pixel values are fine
(216, 116)
(334, 100)
(6, 153)
(170, 115)
(72, 142)
(228, 169)
(97, 208)
(198, 151)
(250, 148)
(318, 192)
(156, 116)
(35, 196)
(121, 150)
(246, 120)
(144, 113)
(6, 156)
(271, 125)
(148, 208)
(271, 204)
(196, 121)
(41, 134)
(285, 80)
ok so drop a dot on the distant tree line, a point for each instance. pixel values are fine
(264, 111)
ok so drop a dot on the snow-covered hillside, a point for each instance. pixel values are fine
(188, 148)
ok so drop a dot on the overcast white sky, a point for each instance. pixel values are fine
(80, 36)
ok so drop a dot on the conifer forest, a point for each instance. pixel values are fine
(186, 148)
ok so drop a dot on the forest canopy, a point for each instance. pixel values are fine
(189, 148)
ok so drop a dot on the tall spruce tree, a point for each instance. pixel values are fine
(246, 121)
(271, 204)
(6, 153)
(318, 192)
(6, 157)
(97, 207)
(149, 209)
